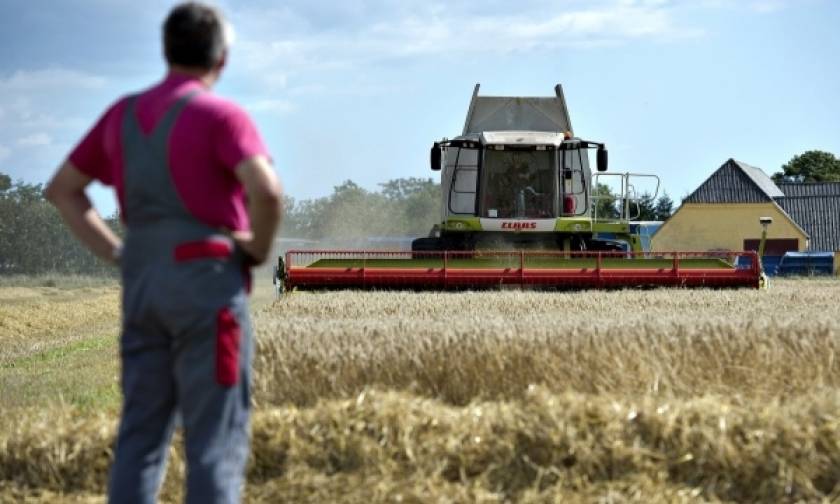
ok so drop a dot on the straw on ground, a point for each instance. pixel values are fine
(643, 396)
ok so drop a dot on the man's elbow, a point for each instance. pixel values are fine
(259, 180)
(66, 184)
(51, 193)
(269, 195)
(57, 195)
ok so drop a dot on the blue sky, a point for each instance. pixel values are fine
(359, 90)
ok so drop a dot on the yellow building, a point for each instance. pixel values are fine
(723, 214)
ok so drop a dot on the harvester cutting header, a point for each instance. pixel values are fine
(518, 208)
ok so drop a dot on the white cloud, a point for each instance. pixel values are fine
(768, 6)
(311, 40)
(5, 152)
(754, 6)
(27, 112)
(274, 106)
(36, 101)
(44, 111)
(313, 48)
(35, 140)
(49, 79)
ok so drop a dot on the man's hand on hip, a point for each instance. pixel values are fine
(265, 208)
(66, 191)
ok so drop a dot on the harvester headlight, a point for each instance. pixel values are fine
(459, 225)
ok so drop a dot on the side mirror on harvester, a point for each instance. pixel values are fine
(434, 156)
(602, 159)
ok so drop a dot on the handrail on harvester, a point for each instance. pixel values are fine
(474, 269)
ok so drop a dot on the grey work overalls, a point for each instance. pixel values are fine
(186, 341)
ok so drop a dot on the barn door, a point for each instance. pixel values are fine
(774, 246)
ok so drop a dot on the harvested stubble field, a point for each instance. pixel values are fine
(627, 396)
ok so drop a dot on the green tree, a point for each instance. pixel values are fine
(34, 239)
(605, 202)
(291, 224)
(414, 202)
(664, 208)
(5, 182)
(354, 213)
(810, 166)
(403, 207)
(404, 188)
(646, 208)
(350, 213)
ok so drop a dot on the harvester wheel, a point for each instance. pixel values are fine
(279, 277)
(420, 247)
(606, 245)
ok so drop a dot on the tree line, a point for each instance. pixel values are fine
(810, 166)
(645, 208)
(401, 207)
(33, 239)
(410, 207)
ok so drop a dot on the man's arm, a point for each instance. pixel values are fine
(265, 210)
(66, 191)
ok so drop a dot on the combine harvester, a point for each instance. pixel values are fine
(518, 208)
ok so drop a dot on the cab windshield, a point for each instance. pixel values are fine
(518, 184)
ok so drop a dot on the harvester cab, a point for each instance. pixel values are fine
(522, 206)
(518, 178)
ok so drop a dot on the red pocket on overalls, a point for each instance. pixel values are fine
(228, 335)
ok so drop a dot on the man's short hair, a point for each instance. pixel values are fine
(194, 36)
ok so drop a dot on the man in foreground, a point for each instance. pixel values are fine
(201, 203)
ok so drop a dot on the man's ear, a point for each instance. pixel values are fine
(222, 61)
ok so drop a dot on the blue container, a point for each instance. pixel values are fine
(806, 263)
(771, 264)
(645, 230)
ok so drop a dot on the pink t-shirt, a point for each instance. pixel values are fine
(209, 139)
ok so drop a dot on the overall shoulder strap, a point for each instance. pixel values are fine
(150, 192)
(160, 133)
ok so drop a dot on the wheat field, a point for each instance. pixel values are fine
(661, 395)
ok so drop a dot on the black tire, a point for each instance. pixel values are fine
(459, 242)
(420, 246)
(606, 246)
